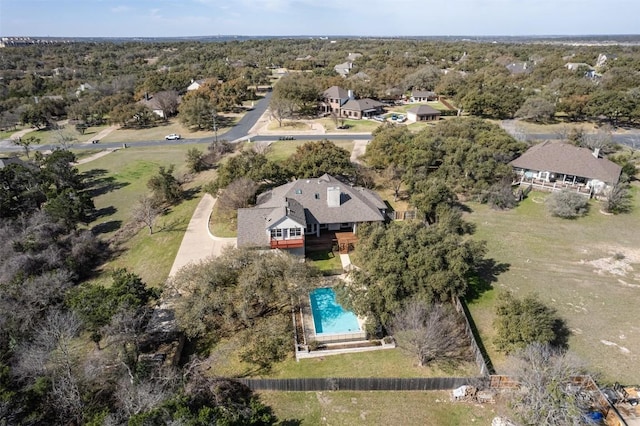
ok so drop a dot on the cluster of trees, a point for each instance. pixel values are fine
(475, 75)
(410, 260)
(50, 311)
(457, 156)
(242, 294)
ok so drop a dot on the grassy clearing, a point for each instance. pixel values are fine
(223, 225)
(570, 264)
(326, 261)
(157, 133)
(354, 126)
(225, 361)
(120, 178)
(431, 408)
(281, 150)
(288, 125)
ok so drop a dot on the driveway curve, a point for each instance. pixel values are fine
(198, 243)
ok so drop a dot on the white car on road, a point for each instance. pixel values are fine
(173, 137)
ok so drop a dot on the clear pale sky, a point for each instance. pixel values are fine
(170, 18)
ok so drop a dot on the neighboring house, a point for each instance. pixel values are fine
(333, 98)
(361, 108)
(361, 75)
(516, 68)
(196, 84)
(343, 69)
(84, 87)
(5, 161)
(353, 56)
(555, 166)
(284, 215)
(603, 58)
(343, 103)
(423, 96)
(151, 103)
(574, 66)
(423, 113)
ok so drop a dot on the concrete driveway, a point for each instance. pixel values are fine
(198, 243)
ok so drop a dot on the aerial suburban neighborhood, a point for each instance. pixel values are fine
(319, 230)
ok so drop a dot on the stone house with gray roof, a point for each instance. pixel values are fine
(555, 166)
(284, 215)
(342, 103)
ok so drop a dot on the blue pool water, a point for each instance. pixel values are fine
(328, 316)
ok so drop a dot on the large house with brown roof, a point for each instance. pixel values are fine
(555, 166)
(343, 103)
(284, 215)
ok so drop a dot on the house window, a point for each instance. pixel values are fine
(295, 232)
(317, 195)
(298, 191)
(276, 233)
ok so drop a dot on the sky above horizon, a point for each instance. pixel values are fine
(183, 18)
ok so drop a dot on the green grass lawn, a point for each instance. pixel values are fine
(225, 361)
(288, 125)
(223, 225)
(326, 261)
(121, 179)
(431, 408)
(158, 133)
(355, 126)
(282, 150)
(569, 264)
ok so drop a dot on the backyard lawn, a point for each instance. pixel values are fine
(588, 269)
(120, 179)
(432, 408)
(225, 361)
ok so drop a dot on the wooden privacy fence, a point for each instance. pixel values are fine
(483, 364)
(360, 384)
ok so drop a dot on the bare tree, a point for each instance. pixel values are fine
(548, 395)
(26, 143)
(146, 211)
(144, 395)
(262, 148)
(280, 108)
(237, 194)
(64, 138)
(431, 332)
(167, 101)
(51, 354)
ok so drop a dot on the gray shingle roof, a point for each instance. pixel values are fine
(307, 204)
(335, 92)
(5, 161)
(424, 110)
(361, 105)
(568, 159)
(252, 227)
(422, 93)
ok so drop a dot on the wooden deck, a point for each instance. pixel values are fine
(542, 185)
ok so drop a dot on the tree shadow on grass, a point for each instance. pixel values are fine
(174, 225)
(487, 274)
(103, 212)
(562, 334)
(106, 227)
(190, 194)
(289, 422)
(98, 184)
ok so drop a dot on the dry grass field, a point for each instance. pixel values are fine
(588, 269)
(432, 408)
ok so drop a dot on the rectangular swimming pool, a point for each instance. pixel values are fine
(328, 316)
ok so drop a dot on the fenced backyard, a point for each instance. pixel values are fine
(361, 384)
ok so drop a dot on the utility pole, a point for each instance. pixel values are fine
(215, 126)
